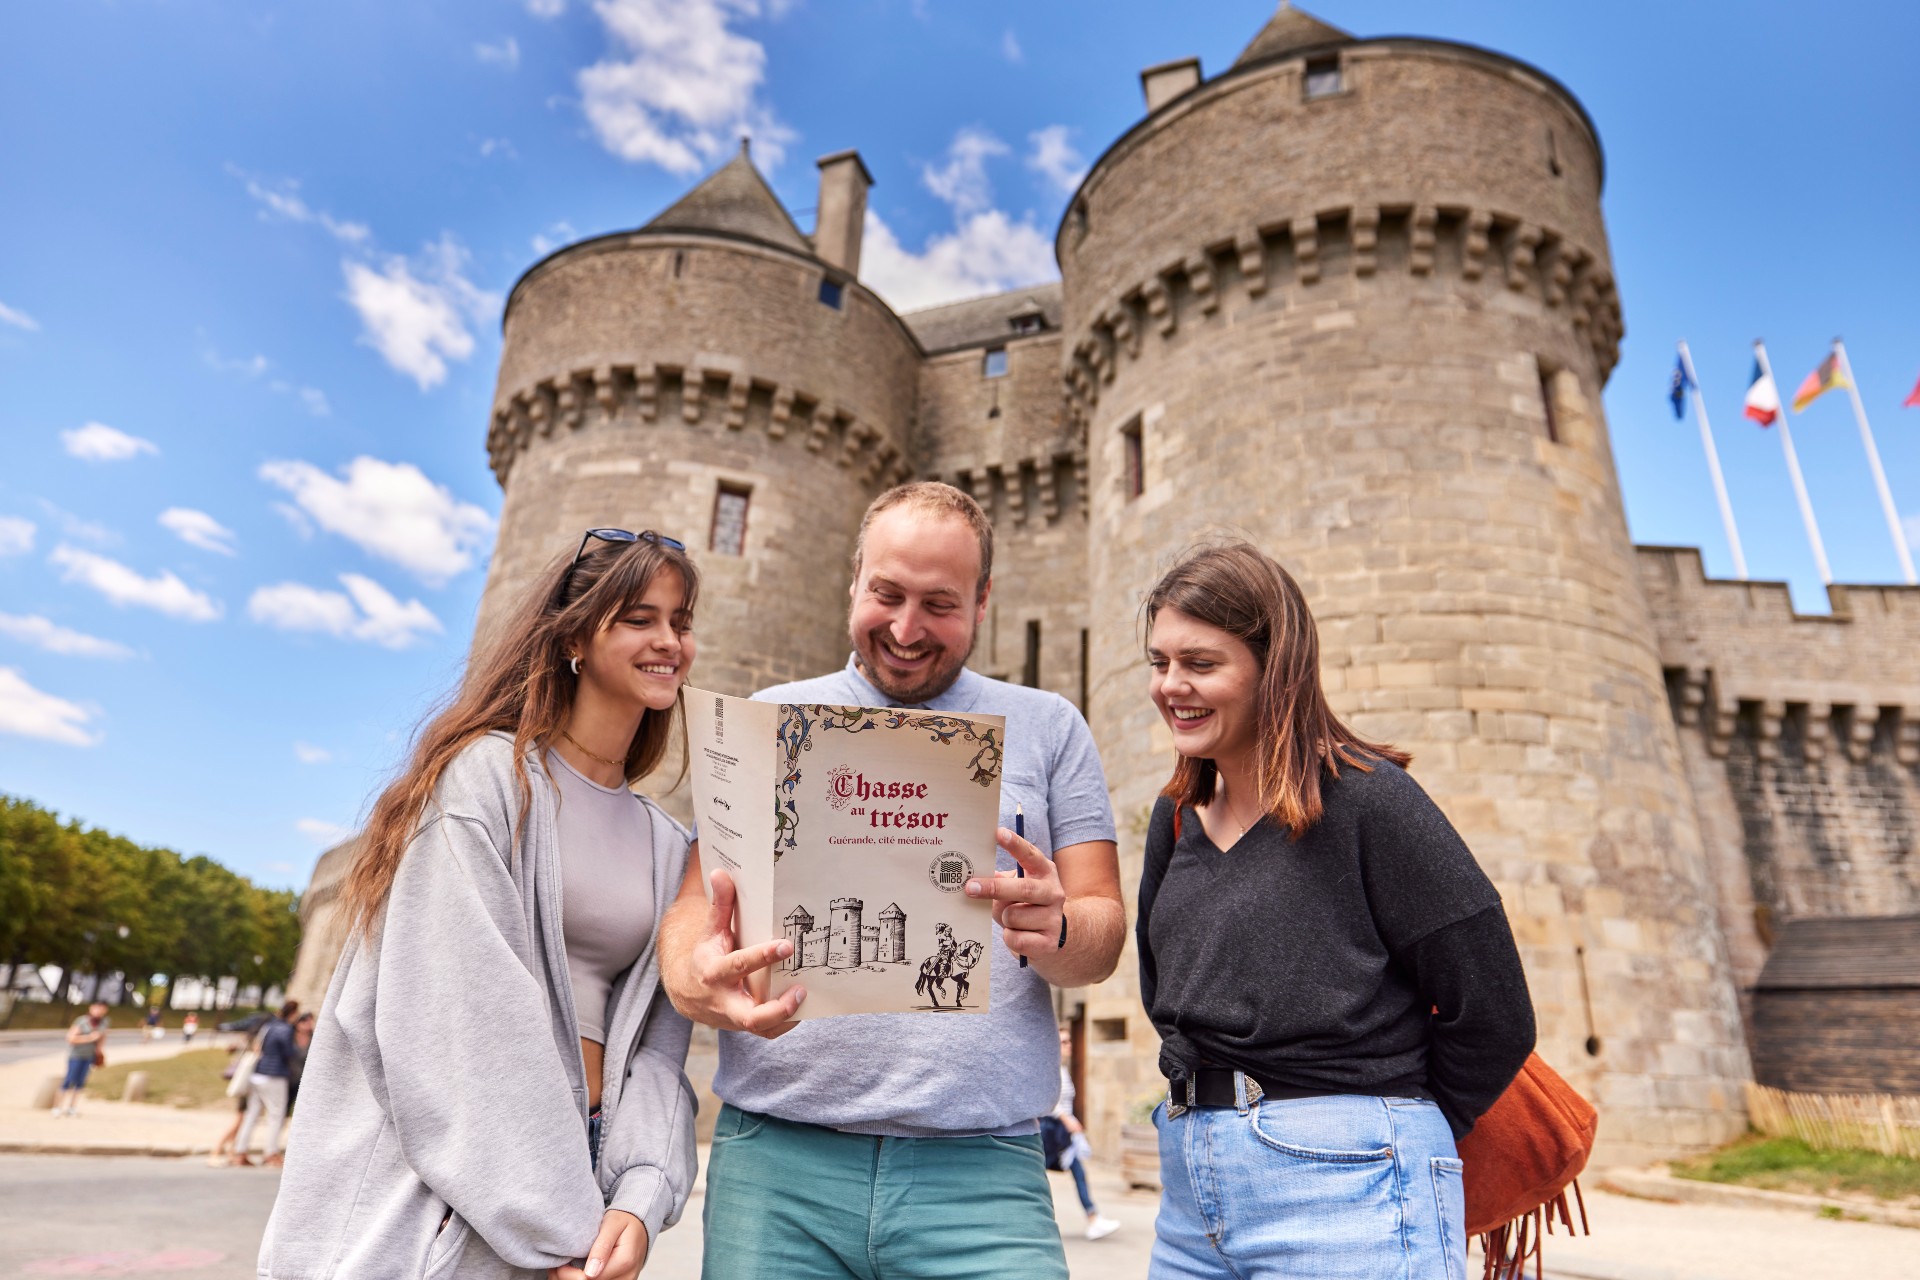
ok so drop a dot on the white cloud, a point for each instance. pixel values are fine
(198, 529)
(962, 183)
(29, 713)
(391, 510)
(988, 253)
(502, 147)
(44, 633)
(545, 242)
(258, 366)
(74, 527)
(306, 753)
(1010, 47)
(546, 8)
(682, 87)
(123, 586)
(16, 535)
(505, 54)
(324, 832)
(98, 442)
(18, 319)
(366, 612)
(415, 313)
(1056, 159)
(282, 200)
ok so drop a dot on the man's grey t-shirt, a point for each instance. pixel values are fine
(923, 1075)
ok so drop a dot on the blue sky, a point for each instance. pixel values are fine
(255, 253)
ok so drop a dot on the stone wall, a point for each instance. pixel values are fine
(1802, 738)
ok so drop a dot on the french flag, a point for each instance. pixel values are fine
(1763, 400)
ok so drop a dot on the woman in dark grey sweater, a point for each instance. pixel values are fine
(1332, 975)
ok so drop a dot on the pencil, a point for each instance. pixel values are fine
(1020, 829)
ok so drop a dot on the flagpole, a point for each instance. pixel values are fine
(1713, 464)
(1873, 460)
(1793, 469)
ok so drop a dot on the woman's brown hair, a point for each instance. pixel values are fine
(519, 680)
(1245, 593)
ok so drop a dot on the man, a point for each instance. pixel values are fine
(86, 1040)
(906, 1145)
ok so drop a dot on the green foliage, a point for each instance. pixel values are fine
(1787, 1164)
(90, 901)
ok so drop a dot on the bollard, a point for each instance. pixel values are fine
(49, 1090)
(136, 1090)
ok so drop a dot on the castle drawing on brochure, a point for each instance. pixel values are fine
(845, 941)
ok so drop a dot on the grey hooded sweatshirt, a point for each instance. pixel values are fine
(443, 1112)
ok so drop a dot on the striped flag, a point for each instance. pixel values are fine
(1819, 382)
(1763, 400)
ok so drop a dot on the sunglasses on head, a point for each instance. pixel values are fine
(622, 535)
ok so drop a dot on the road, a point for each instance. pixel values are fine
(18, 1045)
(131, 1216)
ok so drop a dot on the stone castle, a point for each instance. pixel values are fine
(844, 942)
(1350, 298)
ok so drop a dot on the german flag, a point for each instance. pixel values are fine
(1819, 382)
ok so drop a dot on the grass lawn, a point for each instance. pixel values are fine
(1787, 1164)
(126, 1019)
(191, 1079)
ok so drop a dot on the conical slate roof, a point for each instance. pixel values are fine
(1287, 30)
(735, 200)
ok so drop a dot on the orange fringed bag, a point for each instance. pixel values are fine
(1521, 1159)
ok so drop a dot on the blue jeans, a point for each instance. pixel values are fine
(77, 1071)
(1336, 1188)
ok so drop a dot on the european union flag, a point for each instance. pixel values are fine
(1681, 385)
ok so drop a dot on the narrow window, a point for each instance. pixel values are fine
(1109, 1029)
(995, 363)
(1083, 671)
(730, 520)
(1553, 154)
(830, 291)
(1030, 673)
(1546, 402)
(1323, 77)
(679, 262)
(1136, 462)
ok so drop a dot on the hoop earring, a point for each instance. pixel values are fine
(573, 660)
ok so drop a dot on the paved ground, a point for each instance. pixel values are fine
(75, 1215)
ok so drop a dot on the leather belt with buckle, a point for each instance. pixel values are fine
(1211, 1087)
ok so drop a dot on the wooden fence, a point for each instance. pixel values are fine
(1879, 1122)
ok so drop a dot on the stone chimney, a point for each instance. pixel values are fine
(1164, 83)
(842, 214)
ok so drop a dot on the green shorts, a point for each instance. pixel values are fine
(799, 1202)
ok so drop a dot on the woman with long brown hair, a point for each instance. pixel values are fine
(496, 1086)
(1333, 978)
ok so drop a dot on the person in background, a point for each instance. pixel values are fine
(150, 1029)
(189, 1027)
(267, 1090)
(1335, 985)
(86, 1049)
(297, 1062)
(1065, 1140)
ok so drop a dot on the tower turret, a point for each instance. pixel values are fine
(1352, 299)
(712, 377)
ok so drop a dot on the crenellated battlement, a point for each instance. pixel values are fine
(693, 395)
(1420, 237)
(1735, 650)
(1042, 487)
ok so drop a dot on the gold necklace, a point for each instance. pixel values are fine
(614, 764)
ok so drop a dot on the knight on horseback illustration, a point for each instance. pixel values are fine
(950, 960)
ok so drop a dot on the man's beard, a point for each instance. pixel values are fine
(920, 686)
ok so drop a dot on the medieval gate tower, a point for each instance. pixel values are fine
(1350, 298)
